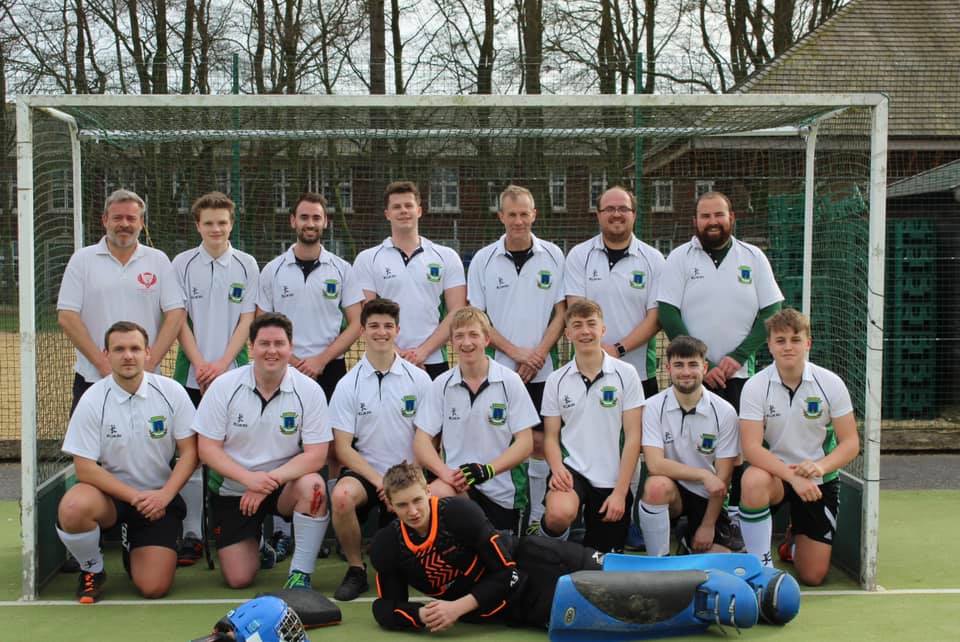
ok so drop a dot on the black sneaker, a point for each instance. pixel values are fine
(191, 550)
(90, 587)
(354, 583)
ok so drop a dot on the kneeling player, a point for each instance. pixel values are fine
(591, 417)
(371, 413)
(690, 445)
(131, 422)
(483, 415)
(251, 423)
(447, 549)
(797, 429)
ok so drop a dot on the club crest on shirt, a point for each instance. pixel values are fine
(236, 292)
(745, 274)
(544, 279)
(147, 279)
(608, 396)
(812, 407)
(498, 414)
(409, 408)
(331, 288)
(638, 280)
(288, 423)
(708, 443)
(158, 427)
(433, 272)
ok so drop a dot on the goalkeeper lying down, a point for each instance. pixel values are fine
(449, 551)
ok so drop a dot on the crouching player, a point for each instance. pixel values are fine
(447, 549)
(122, 436)
(797, 430)
(592, 410)
(251, 423)
(483, 416)
(690, 444)
(371, 413)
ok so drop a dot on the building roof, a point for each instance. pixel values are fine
(939, 179)
(907, 49)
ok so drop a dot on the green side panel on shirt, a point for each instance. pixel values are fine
(829, 444)
(555, 356)
(521, 486)
(490, 351)
(243, 357)
(214, 481)
(751, 365)
(442, 309)
(652, 358)
(181, 370)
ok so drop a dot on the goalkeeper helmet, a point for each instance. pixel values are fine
(263, 619)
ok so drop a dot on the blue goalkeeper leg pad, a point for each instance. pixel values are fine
(778, 594)
(605, 606)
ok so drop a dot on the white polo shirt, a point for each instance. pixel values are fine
(418, 285)
(479, 431)
(258, 436)
(315, 305)
(519, 305)
(697, 439)
(133, 436)
(624, 293)
(800, 428)
(379, 411)
(592, 418)
(217, 291)
(103, 291)
(719, 304)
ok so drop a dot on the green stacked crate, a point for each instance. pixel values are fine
(909, 320)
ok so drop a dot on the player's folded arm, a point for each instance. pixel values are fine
(392, 609)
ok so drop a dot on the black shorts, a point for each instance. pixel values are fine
(80, 386)
(136, 530)
(694, 507)
(436, 369)
(543, 561)
(373, 501)
(195, 396)
(817, 520)
(650, 387)
(503, 519)
(535, 390)
(603, 536)
(231, 526)
(331, 375)
(730, 394)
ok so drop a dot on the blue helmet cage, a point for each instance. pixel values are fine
(264, 619)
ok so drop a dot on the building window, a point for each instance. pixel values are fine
(662, 196)
(702, 188)
(558, 191)
(444, 190)
(598, 185)
(338, 191)
(664, 246)
(61, 197)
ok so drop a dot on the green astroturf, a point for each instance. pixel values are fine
(915, 532)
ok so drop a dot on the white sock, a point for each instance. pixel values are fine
(757, 528)
(655, 524)
(733, 512)
(281, 525)
(310, 532)
(85, 547)
(192, 493)
(538, 470)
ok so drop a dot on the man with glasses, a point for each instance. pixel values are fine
(620, 272)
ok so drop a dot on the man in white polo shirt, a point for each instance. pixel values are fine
(316, 290)
(118, 279)
(483, 417)
(518, 282)
(721, 290)
(418, 273)
(592, 408)
(797, 430)
(122, 436)
(620, 273)
(691, 440)
(220, 285)
(262, 431)
(371, 414)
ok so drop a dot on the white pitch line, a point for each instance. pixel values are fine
(164, 602)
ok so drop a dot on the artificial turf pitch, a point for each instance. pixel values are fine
(918, 570)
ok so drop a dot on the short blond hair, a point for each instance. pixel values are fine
(467, 315)
(516, 192)
(401, 476)
(582, 309)
(788, 319)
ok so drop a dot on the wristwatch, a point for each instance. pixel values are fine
(620, 349)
